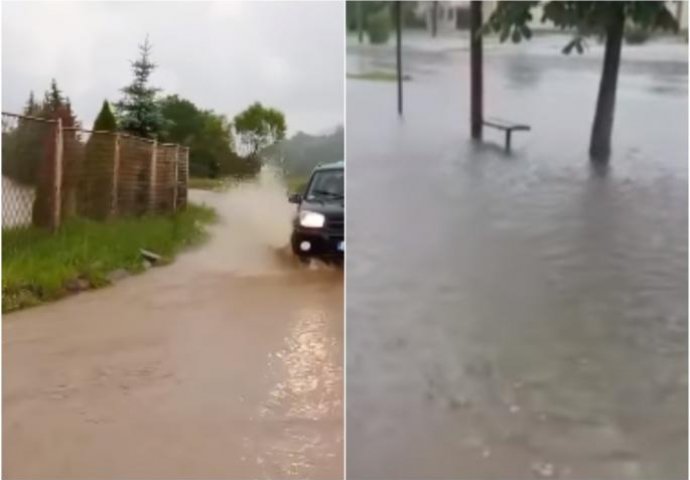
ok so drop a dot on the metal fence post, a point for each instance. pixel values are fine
(152, 176)
(116, 175)
(57, 176)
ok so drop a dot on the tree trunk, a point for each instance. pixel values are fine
(434, 19)
(360, 22)
(600, 142)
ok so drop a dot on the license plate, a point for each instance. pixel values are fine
(341, 246)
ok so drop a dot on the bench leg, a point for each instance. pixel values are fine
(508, 132)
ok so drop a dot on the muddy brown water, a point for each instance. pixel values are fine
(225, 364)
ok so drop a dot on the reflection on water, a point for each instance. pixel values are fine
(525, 315)
(309, 391)
(299, 423)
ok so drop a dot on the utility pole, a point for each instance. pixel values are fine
(398, 52)
(476, 94)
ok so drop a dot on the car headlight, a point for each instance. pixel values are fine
(311, 219)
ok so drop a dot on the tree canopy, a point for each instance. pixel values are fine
(511, 19)
(23, 147)
(605, 19)
(209, 136)
(259, 127)
(32, 108)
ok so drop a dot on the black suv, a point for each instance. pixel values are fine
(318, 227)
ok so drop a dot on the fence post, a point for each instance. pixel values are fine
(177, 173)
(152, 176)
(116, 176)
(185, 185)
(57, 176)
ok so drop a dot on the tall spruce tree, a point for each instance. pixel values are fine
(32, 108)
(53, 99)
(138, 111)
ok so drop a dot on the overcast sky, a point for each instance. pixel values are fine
(221, 56)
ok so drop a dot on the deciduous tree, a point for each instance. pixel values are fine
(607, 19)
(259, 127)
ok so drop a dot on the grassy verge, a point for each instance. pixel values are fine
(38, 266)
(214, 184)
(378, 76)
(296, 184)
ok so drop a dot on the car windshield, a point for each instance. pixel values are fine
(326, 185)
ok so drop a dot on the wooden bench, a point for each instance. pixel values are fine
(506, 126)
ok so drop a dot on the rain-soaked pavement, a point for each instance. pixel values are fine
(519, 316)
(226, 364)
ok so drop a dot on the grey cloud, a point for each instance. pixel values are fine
(221, 56)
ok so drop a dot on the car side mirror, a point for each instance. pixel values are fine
(295, 198)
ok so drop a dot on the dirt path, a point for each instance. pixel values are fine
(226, 364)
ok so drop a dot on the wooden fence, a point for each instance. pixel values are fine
(50, 173)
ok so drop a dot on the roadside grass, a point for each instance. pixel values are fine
(296, 184)
(214, 184)
(378, 76)
(38, 266)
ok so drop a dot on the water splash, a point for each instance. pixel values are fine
(252, 236)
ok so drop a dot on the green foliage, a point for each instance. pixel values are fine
(183, 120)
(105, 121)
(139, 112)
(352, 11)
(259, 126)
(511, 19)
(32, 109)
(604, 19)
(378, 76)
(53, 98)
(55, 105)
(410, 19)
(94, 185)
(25, 147)
(37, 264)
(379, 26)
(209, 137)
(212, 184)
(297, 184)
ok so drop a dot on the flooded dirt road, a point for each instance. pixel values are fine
(226, 364)
(519, 316)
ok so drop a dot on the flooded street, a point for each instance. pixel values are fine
(225, 364)
(520, 316)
